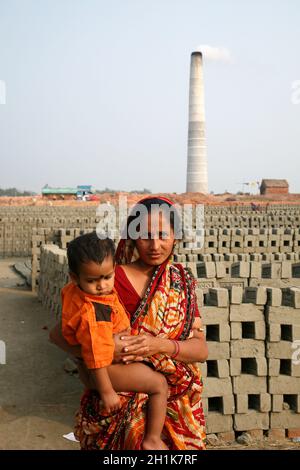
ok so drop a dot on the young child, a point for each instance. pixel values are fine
(91, 314)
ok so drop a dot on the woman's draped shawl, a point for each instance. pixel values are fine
(167, 310)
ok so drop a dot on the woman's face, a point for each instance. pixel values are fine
(153, 247)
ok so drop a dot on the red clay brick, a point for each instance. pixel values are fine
(276, 434)
(226, 436)
(293, 432)
(256, 433)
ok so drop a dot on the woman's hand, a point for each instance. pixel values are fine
(135, 348)
(144, 345)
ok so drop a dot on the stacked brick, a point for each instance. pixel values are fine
(248, 365)
(245, 240)
(65, 236)
(283, 215)
(40, 237)
(218, 400)
(245, 270)
(283, 353)
(17, 225)
(53, 276)
(250, 380)
(233, 229)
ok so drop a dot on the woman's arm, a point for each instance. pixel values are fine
(190, 350)
(56, 337)
(121, 345)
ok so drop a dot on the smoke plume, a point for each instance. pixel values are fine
(216, 54)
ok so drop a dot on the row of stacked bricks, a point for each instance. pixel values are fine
(233, 257)
(283, 270)
(15, 237)
(254, 221)
(217, 397)
(54, 274)
(243, 240)
(283, 215)
(222, 225)
(248, 363)
(251, 382)
(17, 225)
(283, 353)
(40, 237)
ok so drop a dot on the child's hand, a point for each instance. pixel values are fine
(111, 401)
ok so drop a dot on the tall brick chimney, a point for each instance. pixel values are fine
(196, 180)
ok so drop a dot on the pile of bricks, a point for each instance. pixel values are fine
(218, 399)
(54, 274)
(248, 364)
(18, 225)
(244, 240)
(251, 381)
(40, 237)
(276, 270)
(236, 229)
(283, 326)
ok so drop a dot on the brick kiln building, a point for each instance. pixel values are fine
(274, 187)
(66, 193)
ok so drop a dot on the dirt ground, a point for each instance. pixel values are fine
(38, 399)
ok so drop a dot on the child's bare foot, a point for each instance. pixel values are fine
(153, 443)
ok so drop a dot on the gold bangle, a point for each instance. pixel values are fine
(200, 329)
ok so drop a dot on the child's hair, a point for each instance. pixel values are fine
(87, 248)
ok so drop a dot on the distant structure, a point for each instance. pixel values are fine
(84, 190)
(80, 192)
(196, 181)
(274, 187)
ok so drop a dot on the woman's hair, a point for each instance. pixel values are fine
(164, 206)
(87, 248)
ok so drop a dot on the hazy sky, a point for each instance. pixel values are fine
(97, 92)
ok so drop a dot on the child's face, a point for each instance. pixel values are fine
(96, 279)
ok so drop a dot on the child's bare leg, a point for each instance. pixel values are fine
(137, 377)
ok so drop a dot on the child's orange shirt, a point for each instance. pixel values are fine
(91, 321)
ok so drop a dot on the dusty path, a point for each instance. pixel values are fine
(38, 399)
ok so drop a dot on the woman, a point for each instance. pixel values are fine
(166, 332)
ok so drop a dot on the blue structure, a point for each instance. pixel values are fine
(84, 190)
(80, 192)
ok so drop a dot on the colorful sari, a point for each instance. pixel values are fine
(167, 310)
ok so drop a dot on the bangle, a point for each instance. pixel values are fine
(176, 351)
